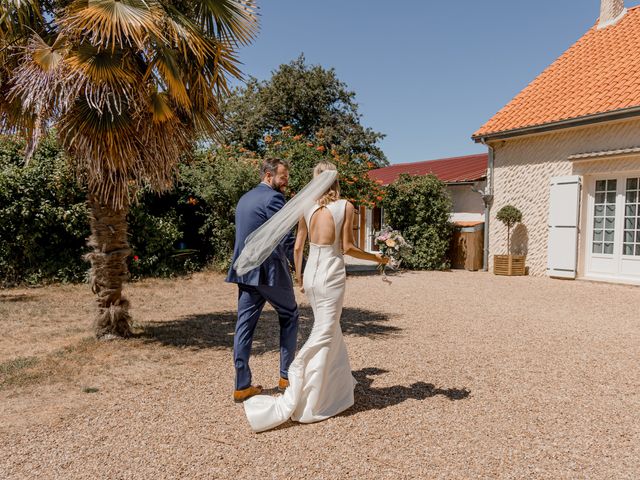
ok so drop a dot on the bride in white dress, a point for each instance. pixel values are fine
(320, 380)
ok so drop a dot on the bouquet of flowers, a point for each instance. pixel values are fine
(391, 244)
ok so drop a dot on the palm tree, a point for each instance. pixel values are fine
(128, 85)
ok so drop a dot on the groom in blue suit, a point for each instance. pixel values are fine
(270, 282)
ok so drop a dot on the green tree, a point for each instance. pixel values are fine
(419, 206)
(129, 86)
(303, 155)
(309, 99)
(509, 215)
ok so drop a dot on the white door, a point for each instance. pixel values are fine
(613, 241)
(564, 213)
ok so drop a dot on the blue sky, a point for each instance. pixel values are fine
(426, 73)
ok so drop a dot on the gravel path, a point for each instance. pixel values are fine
(461, 375)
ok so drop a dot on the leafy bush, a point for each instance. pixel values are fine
(43, 216)
(153, 239)
(210, 188)
(419, 206)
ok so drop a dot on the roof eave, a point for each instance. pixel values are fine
(569, 123)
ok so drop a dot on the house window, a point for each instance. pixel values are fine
(604, 216)
(631, 241)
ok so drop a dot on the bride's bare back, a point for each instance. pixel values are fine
(322, 229)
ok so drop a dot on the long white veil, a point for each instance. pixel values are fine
(260, 243)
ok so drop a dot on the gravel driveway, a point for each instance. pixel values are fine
(461, 375)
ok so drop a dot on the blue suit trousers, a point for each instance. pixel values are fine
(251, 300)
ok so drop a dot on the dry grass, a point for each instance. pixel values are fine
(461, 375)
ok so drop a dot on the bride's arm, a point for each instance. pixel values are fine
(298, 249)
(348, 245)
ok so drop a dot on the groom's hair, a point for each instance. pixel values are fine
(271, 165)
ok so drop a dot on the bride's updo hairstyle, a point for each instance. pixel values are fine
(333, 193)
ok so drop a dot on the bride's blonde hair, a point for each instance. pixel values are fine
(333, 193)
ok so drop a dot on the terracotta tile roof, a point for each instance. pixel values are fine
(599, 73)
(450, 170)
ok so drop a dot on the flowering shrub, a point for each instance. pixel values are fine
(303, 154)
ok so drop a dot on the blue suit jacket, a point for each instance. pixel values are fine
(254, 208)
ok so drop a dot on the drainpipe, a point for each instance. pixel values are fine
(487, 200)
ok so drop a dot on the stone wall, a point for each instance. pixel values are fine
(523, 168)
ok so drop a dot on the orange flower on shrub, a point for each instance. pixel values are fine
(320, 148)
(297, 137)
(286, 128)
(192, 201)
(309, 144)
(268, 139)
(277, 143)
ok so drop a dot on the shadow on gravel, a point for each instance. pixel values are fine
(215, 330)
(370, 398)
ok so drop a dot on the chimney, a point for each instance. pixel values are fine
(611, 11)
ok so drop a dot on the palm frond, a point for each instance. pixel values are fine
(233, 21)
(129, 84)
(168, 69)
(18, 17)
(161, 111)
(112, 23)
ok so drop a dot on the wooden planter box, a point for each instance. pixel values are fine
(508, 264)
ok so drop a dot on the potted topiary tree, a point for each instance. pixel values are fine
(509, 264)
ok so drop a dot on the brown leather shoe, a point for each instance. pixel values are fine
(240, 396)
(283, 383)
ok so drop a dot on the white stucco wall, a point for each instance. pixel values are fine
(522, 170)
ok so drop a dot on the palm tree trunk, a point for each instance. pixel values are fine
(109, 268)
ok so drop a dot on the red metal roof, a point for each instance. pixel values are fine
(469, 168)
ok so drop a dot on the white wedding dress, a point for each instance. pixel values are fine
(320, 380)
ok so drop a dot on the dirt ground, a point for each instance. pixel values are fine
(461, 375)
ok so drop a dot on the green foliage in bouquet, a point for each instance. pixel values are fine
(419, 207)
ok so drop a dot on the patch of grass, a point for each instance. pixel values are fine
(90, 389)
(14, 365)
(63, 364)
(15, 369)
